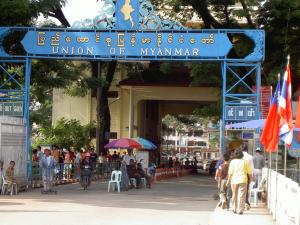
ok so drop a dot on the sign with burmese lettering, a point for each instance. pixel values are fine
(139, 45)
(241, 113)
(11, 108)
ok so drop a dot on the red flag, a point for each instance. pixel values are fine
(270, 134)
(285, 108)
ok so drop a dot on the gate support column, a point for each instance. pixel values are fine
(223, 122)
(240, 100)
(27, 119)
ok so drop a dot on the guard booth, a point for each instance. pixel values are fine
(132, 31)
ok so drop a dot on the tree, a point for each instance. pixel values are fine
(67, 134)
(281, 21)
(24, 13)
(52, 8)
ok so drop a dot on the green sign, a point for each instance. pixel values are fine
(11, 108)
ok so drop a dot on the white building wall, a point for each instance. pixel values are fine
(13, 144)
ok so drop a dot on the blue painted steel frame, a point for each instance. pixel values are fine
(23, 94)
(27, 118)
(228, 97)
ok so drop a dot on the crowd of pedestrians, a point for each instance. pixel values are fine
(66, 164)
(68, 160)
(235, 171)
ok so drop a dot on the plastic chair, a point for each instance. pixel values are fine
(254, 192)
(133, 182)
(144, 182)
(4, 187)
(115, 179)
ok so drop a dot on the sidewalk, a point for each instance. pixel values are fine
(180, 201)
(255, 216)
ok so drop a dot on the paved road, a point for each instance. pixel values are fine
(181, 201)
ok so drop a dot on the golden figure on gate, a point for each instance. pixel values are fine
(127, 10)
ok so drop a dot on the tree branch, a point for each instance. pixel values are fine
(58, 14)
(248, 16)
(227, 13)
(202, 8)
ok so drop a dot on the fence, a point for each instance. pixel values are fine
(167, 173)
(283, 198)
(70, 172)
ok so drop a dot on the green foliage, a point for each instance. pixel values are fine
(182, 123)
(24, 12)
(205, 74)
(16, 13)
(41, 114)
(281, 21)
(67, 134)
(210, 112)
(49, 74)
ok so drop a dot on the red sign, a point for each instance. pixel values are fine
(265, 96)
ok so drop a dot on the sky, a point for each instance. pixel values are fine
(80, 10)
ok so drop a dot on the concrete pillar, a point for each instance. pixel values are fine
(131, 113)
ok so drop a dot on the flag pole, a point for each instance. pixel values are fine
(276, 160)
(285, 147)
(270, 152)
(285, 156)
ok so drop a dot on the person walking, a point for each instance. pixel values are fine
(222, 176)
(249, 159)
(47, 163)
(238, 173)
(259, 164)
(77, 163)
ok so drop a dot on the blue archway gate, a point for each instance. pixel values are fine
(135, 33)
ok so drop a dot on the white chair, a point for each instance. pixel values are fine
(254, 191)
(4, 187)
(133, 182)
(144, 182)
(115, 179)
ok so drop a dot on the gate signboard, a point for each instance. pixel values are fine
(128, 45)
(11, 108)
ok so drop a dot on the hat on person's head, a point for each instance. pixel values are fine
(258, 149)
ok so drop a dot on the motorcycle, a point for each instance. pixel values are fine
(86, 173)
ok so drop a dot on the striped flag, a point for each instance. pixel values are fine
(285, 108)
(270, 133)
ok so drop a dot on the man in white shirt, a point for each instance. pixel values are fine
(259, 164)
(128, 157)
(47, 163)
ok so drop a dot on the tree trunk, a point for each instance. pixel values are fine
(248, 16)
(202, 8)
(103, 113)
(98, 105)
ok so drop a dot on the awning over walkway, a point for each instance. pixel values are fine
(248, 125)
